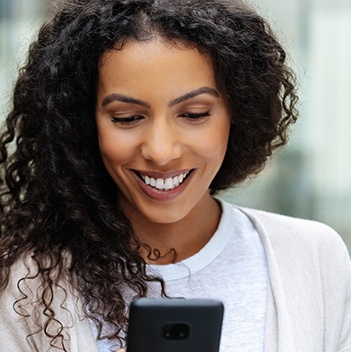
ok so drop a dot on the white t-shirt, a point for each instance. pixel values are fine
(231, 267)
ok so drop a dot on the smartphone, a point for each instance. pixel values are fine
(174, 325)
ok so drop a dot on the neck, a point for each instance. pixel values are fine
(173, 242)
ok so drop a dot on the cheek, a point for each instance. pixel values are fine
(213, 145)
(114, 150)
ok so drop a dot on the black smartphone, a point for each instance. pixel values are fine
(174, 325)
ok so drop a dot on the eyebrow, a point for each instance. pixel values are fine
(194, 93)
(130, 100)
(124, 99)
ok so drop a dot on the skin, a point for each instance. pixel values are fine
(159, 113)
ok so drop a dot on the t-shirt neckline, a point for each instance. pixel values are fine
(205, 256)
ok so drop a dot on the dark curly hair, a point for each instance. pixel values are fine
(56, 195)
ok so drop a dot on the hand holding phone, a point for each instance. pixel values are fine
(174, 325)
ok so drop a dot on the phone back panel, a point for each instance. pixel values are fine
(174, 325)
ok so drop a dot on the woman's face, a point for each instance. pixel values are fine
(163, 127)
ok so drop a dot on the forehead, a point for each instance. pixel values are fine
(155, 57)
(155, 43)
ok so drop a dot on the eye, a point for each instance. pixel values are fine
(127, 121)
(196, 117)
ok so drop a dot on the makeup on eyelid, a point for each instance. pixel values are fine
(132, 120)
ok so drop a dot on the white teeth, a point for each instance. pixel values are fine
(147, 180)
(160, 183)
(176, 182)
(167, 184)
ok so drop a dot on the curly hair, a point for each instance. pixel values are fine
(56, 195)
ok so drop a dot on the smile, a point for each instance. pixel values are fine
(165, 184)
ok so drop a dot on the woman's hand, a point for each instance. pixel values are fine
(121, 350)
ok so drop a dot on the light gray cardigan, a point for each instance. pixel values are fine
(309, 298)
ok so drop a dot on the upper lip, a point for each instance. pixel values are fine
(162, 175)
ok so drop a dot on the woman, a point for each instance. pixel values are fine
(127, 118)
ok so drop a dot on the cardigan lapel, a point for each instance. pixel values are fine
(279, 334)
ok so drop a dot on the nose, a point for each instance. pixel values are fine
(162, 142)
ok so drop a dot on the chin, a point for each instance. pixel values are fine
(166, 217)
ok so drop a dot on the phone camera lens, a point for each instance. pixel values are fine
(176, 331)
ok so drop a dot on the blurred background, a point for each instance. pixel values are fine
(311, 177)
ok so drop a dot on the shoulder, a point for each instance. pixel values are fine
(293, 231)
(28, 268)
(309, 265)
(302, 246)
(42, 308)
(289, 238)
(30, 284)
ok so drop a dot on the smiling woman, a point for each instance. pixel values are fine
(127, 119)
(163, 131)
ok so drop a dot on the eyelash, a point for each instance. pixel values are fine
(130, 120)
(196, 116)
(126, 120)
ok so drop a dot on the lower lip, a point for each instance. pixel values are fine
(159, 195)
